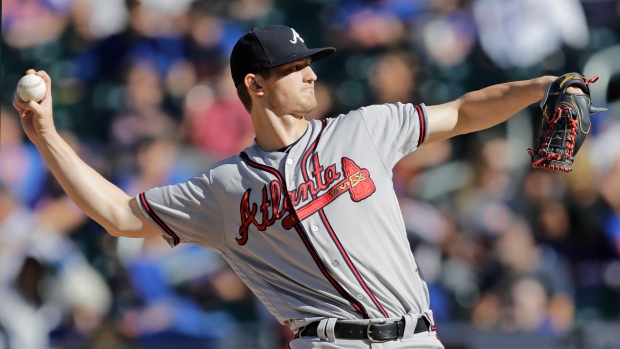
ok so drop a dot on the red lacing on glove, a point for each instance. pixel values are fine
(590, 80)
(569, 146)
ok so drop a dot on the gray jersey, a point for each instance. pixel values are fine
(336, 245)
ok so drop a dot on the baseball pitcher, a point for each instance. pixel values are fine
(306, 216)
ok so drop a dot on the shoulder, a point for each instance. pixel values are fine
(380, 112)
(225, 167)
(386, 108)
(237, 165)
(359, 116)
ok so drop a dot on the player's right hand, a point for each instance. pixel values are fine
(36, 118)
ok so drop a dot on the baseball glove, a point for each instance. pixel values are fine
(565, 123)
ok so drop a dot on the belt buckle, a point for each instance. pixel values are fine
(374, 322)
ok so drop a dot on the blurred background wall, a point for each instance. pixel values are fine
(514, 258)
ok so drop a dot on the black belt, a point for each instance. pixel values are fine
(376, 330)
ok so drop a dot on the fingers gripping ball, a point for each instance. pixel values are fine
(565, 123)
(31, 88)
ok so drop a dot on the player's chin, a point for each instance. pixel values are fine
(309, 109)
(302, 107)
(310, 102)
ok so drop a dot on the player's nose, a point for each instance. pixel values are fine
(309, 75)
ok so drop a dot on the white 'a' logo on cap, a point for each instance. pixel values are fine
(295, 37)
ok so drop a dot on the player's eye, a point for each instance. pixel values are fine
(297, 67)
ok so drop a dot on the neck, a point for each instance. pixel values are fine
(275, 132)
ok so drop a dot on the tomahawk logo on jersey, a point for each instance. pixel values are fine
(356, 182)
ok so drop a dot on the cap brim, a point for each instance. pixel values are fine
(314, 53)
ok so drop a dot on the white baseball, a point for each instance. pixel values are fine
(31, 88)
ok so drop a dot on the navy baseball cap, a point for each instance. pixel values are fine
(269, 47)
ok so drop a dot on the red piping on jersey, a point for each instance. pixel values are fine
(306, 240)
(158, 220)
(422, 124)
(346, 257)
(332, 234)
(325, 272)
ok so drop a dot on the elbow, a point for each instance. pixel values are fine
(132, 228)
(124, 220)
(115, 232)
(114, 224)
(465, 123)
(118, 226)
(125, 229)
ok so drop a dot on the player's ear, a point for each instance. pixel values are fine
(253, 85)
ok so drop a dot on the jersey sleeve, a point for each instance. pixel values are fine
(185, 212)
(396, 129)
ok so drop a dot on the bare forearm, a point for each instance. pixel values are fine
(484, 108)
(101, 200)
(92, 193)
(495, 104)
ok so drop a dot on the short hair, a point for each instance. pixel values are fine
(244, 95)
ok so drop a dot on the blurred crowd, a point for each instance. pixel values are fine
(142, 91)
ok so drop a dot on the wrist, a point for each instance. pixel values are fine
(542, 85)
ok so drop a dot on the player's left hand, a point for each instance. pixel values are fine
(566, 109)
(547, 80)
